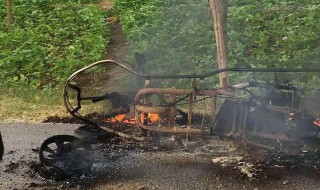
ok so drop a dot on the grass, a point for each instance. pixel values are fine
(27, 105)
(24, 104)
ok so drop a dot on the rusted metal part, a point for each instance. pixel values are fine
(173, 130)
(169, 110)
(172, 114)
(213, 108)
(191, 97)
(149, 109)
(172, 111)
(141, 93)
(174, 91)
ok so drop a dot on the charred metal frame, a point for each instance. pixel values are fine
(169, 109)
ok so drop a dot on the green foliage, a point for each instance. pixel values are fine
(281, 34)
(177, 36)
(50, 40)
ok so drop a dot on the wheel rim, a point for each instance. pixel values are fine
(64, 152)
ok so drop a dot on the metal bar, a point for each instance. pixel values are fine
(245, 119)
(200, 76)
(234, 118)
(174, 130)
(213, 108)
(172, 111)
(156, 110)
(161, 91)
(190, 111)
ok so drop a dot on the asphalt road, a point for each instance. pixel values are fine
(138, 169)
(21, 142)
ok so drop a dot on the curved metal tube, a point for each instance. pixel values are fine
(201, 76)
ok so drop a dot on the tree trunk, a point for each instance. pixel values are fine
(219, 10)
(9, 14)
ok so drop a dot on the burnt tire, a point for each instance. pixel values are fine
(65, 154)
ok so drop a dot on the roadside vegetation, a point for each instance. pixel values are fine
(49, 40)
(179, 36)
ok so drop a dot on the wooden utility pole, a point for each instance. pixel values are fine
(219, 9)
(9, 14)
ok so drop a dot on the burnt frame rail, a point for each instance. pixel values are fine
(74, 111)
(195, 76)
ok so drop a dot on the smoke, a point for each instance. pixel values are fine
(173, 42)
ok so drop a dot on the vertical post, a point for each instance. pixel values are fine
(190, 110)
(172, 111)
(9, 14)
(219, 9)
(213, 107)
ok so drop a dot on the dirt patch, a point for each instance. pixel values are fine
(118, 47)
(106, 5)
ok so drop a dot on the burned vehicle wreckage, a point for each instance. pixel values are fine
(270, 115)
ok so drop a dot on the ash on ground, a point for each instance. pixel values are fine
(117, 159)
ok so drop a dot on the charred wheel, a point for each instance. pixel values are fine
(66, 153)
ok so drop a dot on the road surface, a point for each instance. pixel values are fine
(138, 168)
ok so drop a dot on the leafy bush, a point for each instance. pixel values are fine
(50, 40)
(177, 35)
(282, 34)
